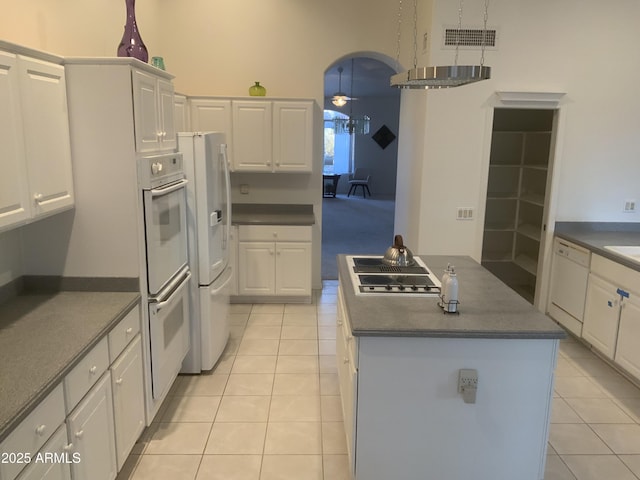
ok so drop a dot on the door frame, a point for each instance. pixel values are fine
(535, 101)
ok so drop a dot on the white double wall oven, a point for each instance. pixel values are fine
(164, 185)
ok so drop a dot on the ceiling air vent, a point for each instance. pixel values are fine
(469, 38)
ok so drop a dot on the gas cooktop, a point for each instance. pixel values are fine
(370, 275)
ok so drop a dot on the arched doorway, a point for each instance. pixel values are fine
(352, 223)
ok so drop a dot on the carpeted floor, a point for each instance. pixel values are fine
(354, 225)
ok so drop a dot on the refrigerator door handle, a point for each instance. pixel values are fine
(223, 281)
(227, 184)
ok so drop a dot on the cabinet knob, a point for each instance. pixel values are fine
(93, 370)
(346, 360)
(128, 330)
(38, 197)
(68, 447)
(41, 429)
(79, 433)
(119, 381)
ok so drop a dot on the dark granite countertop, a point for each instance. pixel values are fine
(488, 308)
(43, 336)
(594, 236)
(271, 214)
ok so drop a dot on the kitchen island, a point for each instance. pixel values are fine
(399, 359)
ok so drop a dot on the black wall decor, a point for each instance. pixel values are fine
(383, 137)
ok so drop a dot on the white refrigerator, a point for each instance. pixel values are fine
(208, 226)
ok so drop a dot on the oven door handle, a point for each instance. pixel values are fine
(163, 301)
(158, 192)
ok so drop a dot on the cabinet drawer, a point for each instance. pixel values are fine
(78, 382)
(33, 431)
(618, 274)
(271, 233)
(123, 333)
(44, 468)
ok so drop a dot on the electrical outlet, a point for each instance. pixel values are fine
(629, 206)
(468, 384)
(244, 189)
(465, 213)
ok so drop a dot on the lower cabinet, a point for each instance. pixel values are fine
(346, 355)
(91, 430)
(274, 260)
(53, 460)
(602, 311)
(612, 313)
(128, 399)
(102, 398)
(627, 351)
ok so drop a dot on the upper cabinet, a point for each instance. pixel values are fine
(35, 153)
(181, 113)
(252, 136)
(153, 99)
(293, 136)
(263, 135)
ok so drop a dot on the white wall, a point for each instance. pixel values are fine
(584, 48)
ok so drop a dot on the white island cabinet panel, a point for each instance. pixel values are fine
(411, 414)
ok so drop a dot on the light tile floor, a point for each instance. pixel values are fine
(595, 420)
(270, 409)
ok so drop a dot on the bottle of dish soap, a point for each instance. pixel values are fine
(443, 283)
(450, 297)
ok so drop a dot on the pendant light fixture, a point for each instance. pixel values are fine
(353, 124)
(339, 98)
(440, 76)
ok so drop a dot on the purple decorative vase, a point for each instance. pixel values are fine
(131, 44)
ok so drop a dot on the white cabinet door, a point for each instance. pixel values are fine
(252, 136)
(91, 430)
(46, 135)
(181, 113)
(146, 116)
(166, 124)
(128, 399)
(211, 115)
(14, 188)
(347, 377)
(256, 265)
(293, 268)
(153, 100)
(292, 136)
(52, 462)
(602, 311)
(628, 349)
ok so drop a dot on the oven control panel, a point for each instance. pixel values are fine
(159, 170)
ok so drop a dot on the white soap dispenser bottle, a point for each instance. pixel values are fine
(451, 292)
(443, 284)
